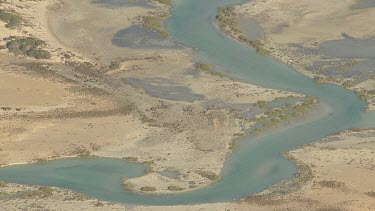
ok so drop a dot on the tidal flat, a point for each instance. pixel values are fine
(152, 105)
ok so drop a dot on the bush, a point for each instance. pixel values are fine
(38, 54)
(203, 67)
(348, 84)
(130, 159)
(166, 2)
(209, 175)
(28, 46)
(174, 188)
(12, 20)
(319, 79)
(148, 189)
(155, 23)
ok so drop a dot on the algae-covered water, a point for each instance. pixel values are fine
(257, 163)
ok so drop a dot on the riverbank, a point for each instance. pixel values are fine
(327, 188)
(150, 105)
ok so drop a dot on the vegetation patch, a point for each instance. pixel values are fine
(114, 65)
(130, 159)
(149, 167)
(348, 84)
(207, 68)
(227, 22)
(365, 94)
(166, 2)
(98, 204)
(209, 175)
(155, 22)
(174, 188)
(371, 194)
(332, 184)
(303, 175)
(41, 192)
(11, 19)
(128, 186)
(319, 79)
(28, 46)
(227, 19)
(275, 117)
(148, 189)
(262, 104)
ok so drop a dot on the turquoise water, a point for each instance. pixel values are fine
(254, 166)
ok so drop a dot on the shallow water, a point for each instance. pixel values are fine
(139, 37)
(350, 48)
(250, 28)
(363, 4)
(257, 163)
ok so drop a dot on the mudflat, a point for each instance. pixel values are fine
(152, 102)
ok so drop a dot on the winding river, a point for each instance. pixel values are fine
(257, 163)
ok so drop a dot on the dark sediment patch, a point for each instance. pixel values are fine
(243, 111)
(349, 58)
(170, 174)
(359, 72)
(250, 28)
(164, 88)
(350, 48)
(363, 4)
(139, 37)
(124, 3)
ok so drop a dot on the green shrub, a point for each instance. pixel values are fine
(203, 67)
(155, 23)
(130, 159)
(38, 54)
(174, 188)
(166, 2)
(12, 20)
(209, 175)
(148, 189)
(319, 79)
(348, 84)
(128, 186)
(261, 104)
(28, 46)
